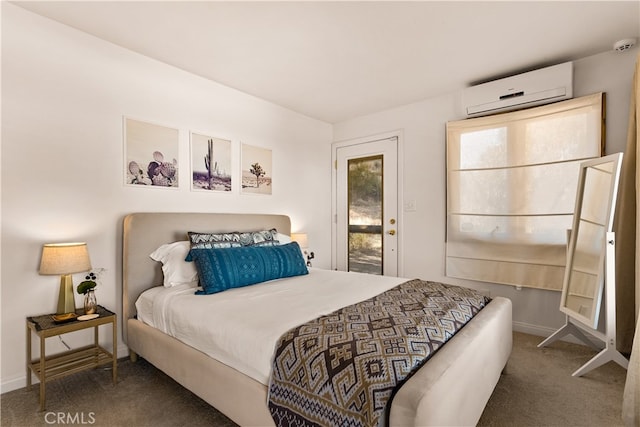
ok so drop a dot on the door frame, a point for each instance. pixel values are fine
(400, 193)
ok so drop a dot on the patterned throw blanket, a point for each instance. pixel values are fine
(341, 369)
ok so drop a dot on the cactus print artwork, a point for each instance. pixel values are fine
(151, 154)
(210, 163)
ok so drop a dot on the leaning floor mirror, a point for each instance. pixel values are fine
(589, 280)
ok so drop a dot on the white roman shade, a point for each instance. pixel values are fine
(511, 188)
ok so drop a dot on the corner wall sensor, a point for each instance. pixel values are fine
(624, 44)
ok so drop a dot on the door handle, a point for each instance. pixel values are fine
(391, 232)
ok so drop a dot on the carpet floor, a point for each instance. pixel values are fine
(537, 389)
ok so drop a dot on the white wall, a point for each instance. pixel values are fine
(423, 126)
(64, 94)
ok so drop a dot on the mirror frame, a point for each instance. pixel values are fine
(592, 319)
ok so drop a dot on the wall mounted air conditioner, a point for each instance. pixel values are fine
(524, 90)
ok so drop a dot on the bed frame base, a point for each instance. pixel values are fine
(236, 395)
(463, 370)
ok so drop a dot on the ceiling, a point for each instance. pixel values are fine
(338, 60)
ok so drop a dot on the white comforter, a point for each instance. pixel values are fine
(240, 327)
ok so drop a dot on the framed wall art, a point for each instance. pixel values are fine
(256, 170)
(151, 154)
(210, 163)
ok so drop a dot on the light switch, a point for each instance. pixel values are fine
(410, 206)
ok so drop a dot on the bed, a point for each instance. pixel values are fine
(452, 388)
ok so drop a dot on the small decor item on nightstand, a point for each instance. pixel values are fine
(85, 317)
(63, 318)
(88, 289)
(90, 303)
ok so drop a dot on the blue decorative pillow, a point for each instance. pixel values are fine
(222, 269)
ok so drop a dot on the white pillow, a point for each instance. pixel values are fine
(283, 238)
(175, 269)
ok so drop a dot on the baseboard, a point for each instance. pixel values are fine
(530, 329)
(14, 384)
(544, 332)
(21, 382)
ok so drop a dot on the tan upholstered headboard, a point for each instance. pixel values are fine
(144, 232)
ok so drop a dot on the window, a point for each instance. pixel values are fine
(365, 214)
(511, 188)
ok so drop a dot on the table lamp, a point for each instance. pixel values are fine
(302, 240)
(65, 259)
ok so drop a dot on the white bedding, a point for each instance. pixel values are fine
(240, 327)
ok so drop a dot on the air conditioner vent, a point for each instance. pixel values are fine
(524, 90)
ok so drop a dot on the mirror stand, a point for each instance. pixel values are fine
(569, 329)
(609, 353)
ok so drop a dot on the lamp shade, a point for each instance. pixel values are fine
(301, 238)
(64, 258)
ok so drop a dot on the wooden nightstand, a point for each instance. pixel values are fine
(59, 365)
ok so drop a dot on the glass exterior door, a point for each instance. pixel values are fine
(366, 207)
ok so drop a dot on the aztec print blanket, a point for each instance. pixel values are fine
(342, 369)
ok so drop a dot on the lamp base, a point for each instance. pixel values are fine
(66, 301)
